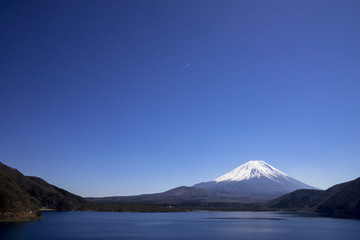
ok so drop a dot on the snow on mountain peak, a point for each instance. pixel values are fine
(252, 169)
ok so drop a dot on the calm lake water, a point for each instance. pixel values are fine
(192, 225)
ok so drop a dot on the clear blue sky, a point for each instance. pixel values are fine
(110, 98)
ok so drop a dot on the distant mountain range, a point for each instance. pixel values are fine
(246, 188)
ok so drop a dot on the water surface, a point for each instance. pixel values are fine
(186, 225)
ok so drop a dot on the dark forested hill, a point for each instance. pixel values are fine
(15, 203)
(21, 194)
(344, 202)
(341, 200)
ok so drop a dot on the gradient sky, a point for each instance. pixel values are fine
(107, 98)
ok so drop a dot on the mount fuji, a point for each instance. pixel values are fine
(253, 181)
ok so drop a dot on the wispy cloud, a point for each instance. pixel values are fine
(186, 66)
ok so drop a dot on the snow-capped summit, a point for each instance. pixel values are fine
(252, 169)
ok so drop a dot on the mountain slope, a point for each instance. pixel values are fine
(179, 194)
(15, 203)
(299, 199)
(253, 181)
(341, 200)
(345, 201)
(47, 195)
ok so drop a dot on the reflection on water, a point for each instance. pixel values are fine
(193, 225)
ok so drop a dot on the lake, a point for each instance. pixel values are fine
(184, 225)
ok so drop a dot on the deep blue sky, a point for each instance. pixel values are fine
(126, 97)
